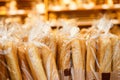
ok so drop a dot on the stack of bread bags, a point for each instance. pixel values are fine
(15, 50)
(40, 37)
(70, 57)
(10, 53)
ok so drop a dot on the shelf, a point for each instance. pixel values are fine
(97, 7)
(16, 13)
(89, 23)
(4, 0)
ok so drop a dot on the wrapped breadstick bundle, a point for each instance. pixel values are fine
(49, 64)
(51, 43)
(65, 62)
(10, 52)
(91, 59)
(78, 59)
(3, 66)
(64, 57)
(42, 33)
(116, 53)
(25, 70)
(104, 56)
(116, 57)
(35, 62)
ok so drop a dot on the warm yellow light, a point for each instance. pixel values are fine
(40, 8)
(66, 1)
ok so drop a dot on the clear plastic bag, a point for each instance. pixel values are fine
(45, 40)
(102, 48)
(71, 54)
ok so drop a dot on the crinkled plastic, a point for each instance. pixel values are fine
(23, 63)
(12, 55)
(39, 54)
(71, 54)
(45, 40)
(35, 62)
(102, 48)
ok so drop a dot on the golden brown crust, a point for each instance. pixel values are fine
(104, 54)
(116, 52)
(35, 62)
(78, 59)
(49, 64)
(91, 53)
(12, 61)
(25, 70)
(3, 66)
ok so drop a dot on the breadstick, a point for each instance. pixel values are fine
(78, 60)
(35, 62)
(25, 70)
(116, 53)
(65, 62)
(90, 58)
(51, 43)
(3, 66)
(104, 54)
(12, 61)
(59, 47)
(49, 64)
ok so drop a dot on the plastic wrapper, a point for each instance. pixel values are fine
(24, 67)
(46, 42)
(10, 52)
(3, 66)
(101, 50)
(49, 64)
(71, 54)
(35, 62)
(42, 33)
(78, 59)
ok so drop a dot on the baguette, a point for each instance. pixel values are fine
(12, 61)
(78, 59)
(116, 53)
(35, 62)
(90, 59)
(3, 66)
(65, 62)
(51, 43)
(25, 70)
(49, 64)
(104, 54)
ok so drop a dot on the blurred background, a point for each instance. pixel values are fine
(85, 11)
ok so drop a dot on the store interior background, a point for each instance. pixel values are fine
(85, 12)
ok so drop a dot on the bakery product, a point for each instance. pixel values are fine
(35, 62)
(11, 57)
(3, 66)
(49, 63)
(25, 70)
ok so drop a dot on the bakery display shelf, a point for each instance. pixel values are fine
(89, 23)
(4, 0)
(97, 7)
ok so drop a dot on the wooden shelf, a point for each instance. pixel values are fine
(4, 0)
(97, 7)
(89, 23)
(17, 13)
